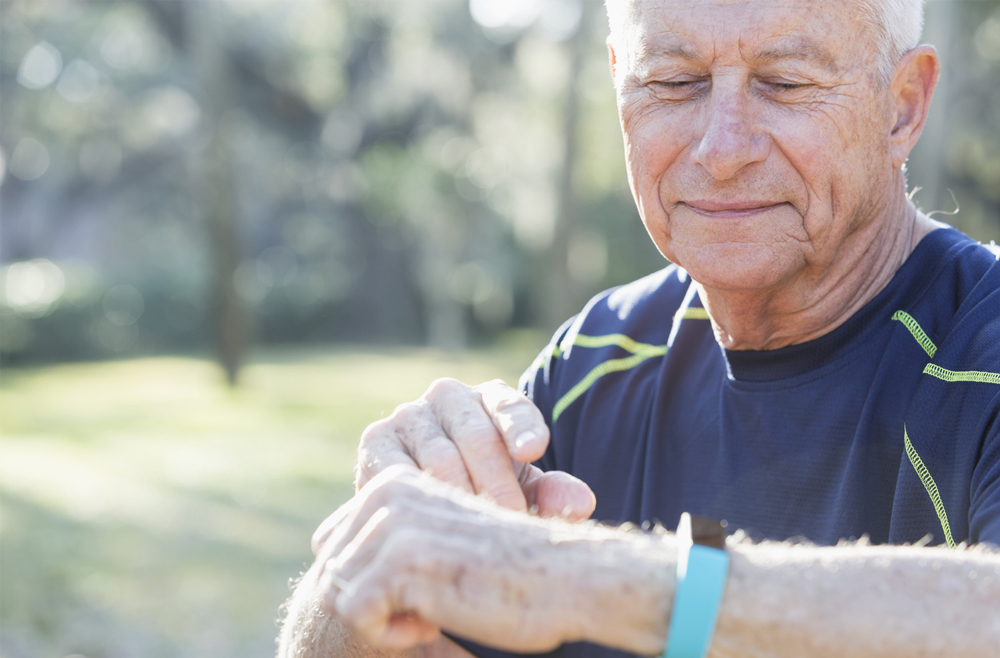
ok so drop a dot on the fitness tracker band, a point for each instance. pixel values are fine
(702, 566)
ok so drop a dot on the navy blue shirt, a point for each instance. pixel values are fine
(886, 427)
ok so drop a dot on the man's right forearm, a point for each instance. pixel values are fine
(308, 631)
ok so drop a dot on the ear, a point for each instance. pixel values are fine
(612, 59)
(912, 88)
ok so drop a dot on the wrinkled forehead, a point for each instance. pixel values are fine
(829, 33)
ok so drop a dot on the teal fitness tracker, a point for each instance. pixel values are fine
(702, 566)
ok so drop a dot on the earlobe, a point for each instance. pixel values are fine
(912, 89)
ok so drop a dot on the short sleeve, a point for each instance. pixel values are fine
(538, 383)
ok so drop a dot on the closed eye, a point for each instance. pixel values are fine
(675, 84)
(678, 89)
(781, 85)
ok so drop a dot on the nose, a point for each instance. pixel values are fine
(731, 140)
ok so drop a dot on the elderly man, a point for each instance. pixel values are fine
(825, 366)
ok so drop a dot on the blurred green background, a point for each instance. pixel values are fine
(233, 233)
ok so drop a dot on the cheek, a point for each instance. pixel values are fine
(654, 140)
(837, 176)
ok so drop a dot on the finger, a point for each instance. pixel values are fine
(371, 615)
(395, 486)
(559, 494)
(325, 528)
(483, 450)
(424, 439)
(376, 603)
(356, 552)
(401, 526)
(323, 531)
(367, 610)
(519, 421)
(379, 449)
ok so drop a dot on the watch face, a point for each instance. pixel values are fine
(708, 532)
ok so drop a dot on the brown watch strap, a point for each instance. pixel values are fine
(708, 532)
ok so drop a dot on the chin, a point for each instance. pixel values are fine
(738, 266)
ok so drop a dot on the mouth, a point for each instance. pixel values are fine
(732, 209)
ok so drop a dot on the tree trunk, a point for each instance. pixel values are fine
(561, 292)
(214, 177)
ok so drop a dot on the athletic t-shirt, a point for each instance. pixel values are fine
(886, 427)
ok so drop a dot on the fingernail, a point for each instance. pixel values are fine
(524, 438)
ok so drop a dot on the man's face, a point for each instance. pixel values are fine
(756, 134)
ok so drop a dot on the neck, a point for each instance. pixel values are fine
(822, 297)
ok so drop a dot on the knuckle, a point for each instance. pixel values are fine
(514, 402)
(478, 430)
(496, 384)
(406, 412)
(374, 432)
(445, 387)
(370, 457)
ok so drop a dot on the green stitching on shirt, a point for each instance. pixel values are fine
(643, 350)
(640, 352)
(918, 333)
(627, 343)
(962, 375)
(691, 313)
(612, 365)
(930, 486)
(621, 340)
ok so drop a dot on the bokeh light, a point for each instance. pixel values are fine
(31, 288)
(30, 159)
(40, 66)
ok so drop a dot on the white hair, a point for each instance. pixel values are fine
(895, 24)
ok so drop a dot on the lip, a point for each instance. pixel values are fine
(731, 209)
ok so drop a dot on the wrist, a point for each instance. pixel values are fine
(623, 594)
(702, 569)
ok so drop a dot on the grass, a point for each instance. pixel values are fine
(147, 510)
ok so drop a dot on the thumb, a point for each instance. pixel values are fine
(559, 494)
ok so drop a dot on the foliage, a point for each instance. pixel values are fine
(330, 170)
(391, 169)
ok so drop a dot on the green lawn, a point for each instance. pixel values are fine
(149, 511)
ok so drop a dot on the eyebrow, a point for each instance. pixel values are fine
(670, 49)
(676, 50)
(799, 49)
